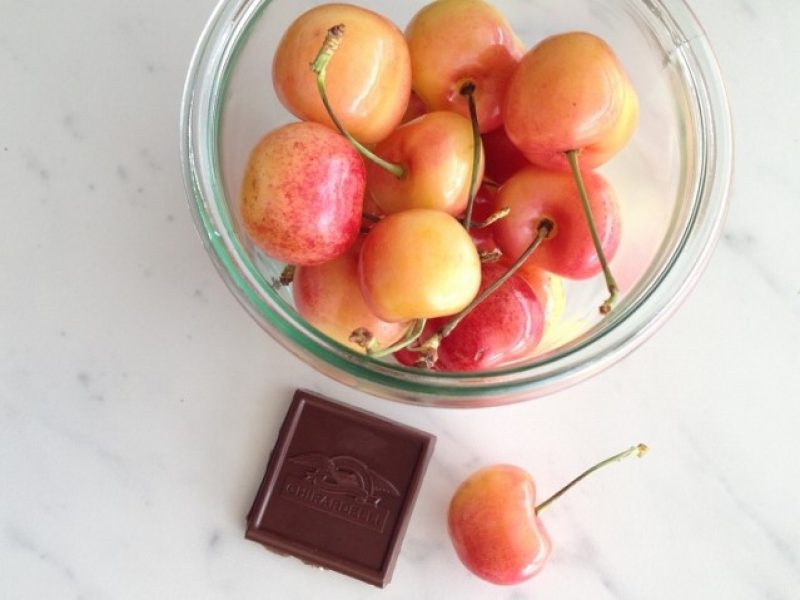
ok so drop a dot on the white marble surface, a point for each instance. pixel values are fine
(138, 401)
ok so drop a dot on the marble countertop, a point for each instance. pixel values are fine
(138, 401)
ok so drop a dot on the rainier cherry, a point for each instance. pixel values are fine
(548, 287)
(436, 153)
(570, 93)
(453, 42)
(534, 194)
(418, 264)
(329, 297)
(302, 194)
(571, 105)
(432, 162)
(507, 325)
(494, 522)
(370, 83)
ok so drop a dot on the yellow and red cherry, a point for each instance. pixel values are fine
(370, 82)
(431, 162)
(534, 194)
(507, 325)
(428, 347)
(570, 93)
(454, 42)
(494, 525)
(329, 297)
(436, 153)
(302, 194)
(570, 105)
(418, 264)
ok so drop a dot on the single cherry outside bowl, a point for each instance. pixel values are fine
(672, 180)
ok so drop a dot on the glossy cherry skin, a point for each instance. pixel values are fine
(302, 194)
(494, 527)
(570, 92)
(368, 80)
(329, 297)
(549, 289)
(503, 159)
(436, 151)
(419, 263)
(453, 42)
(505, 326)
(534, 194)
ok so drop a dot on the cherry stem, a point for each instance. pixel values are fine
(468, 90)
(320, 65)
(364, 338)
(639, 451)
(492, 218)
(611, 283)
(544, 229)
(286, 278)
(491, 256)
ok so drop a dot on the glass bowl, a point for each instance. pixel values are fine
(672, 181)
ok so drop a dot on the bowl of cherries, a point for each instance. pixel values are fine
(457, 202)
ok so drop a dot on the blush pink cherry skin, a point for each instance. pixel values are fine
(505, 326)
(436, 152)
(494, 528)
(416, 264)
(452, 42)
(534, 194)
(570, 92)
(329, 297)
(302, 194)
(368, 80)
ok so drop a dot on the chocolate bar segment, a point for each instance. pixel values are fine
(339, 488)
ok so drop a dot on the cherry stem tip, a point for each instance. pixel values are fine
(639, 450)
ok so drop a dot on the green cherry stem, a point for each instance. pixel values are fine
(611, 283)
(428, 349)
(320, 65)
(639, 451)
(543, 230)
(364, 338)
(468, 90)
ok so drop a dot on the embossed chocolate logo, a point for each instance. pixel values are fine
(341, 486)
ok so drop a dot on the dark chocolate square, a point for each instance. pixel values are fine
(339, 488)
